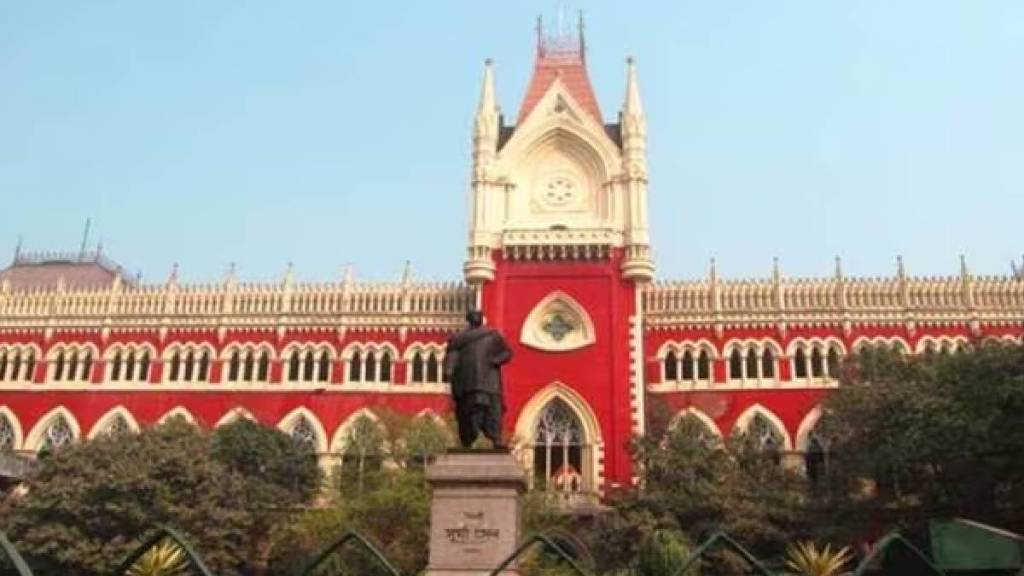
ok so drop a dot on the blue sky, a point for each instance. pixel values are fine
(329, 132)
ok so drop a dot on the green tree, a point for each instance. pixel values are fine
(280, 476)
(90, 503)
(934, 435)
(392, 512)
(703, 485)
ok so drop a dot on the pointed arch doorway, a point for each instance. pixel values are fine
(559, 443)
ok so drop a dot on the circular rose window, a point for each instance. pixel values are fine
(559, 191)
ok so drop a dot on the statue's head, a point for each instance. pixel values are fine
(475, 318)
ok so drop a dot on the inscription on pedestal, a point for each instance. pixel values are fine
(474, 513)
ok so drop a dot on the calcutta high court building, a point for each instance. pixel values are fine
(558, 258)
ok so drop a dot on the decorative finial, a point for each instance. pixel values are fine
(839, 267)
(963, 266)
(289, 275)
(172, 280)
(17, 250)
(407, 272)
(349, 273)
(714, 269)
(900, 271)
(230, 278)
(775, 266)
(85, 240)
(632, 106)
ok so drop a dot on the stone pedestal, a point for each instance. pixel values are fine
(475, 512)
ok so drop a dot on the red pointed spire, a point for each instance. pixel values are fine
(560, 56)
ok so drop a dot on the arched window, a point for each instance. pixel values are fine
(671, 367)
(751, 364)
(764, 434)
(233, 366)
(303, 434)
(204, 366)
(735, 364)
(87, 366)
(263, 370)
(355, 368)
(115, 367)
(58, 367)
(73, 366)
(144, 367)
(175, 367)
(308, 366)
(687, 365)
(129, 367)
(417, 367)
(558, 449)
(433, 368)
(323, 373)
(57, 434)
(30, 366)
(249, 368)
(190, 366)
(385, 366)
(293, 367)
(6, 434)
(767, 364)
(800, 363)
(371, 367)
(704, 366)
(363, 453)
(834, 363)
(118, 425)
(3, 365)
(817, 363)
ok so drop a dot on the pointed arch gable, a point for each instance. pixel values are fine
(699, 414)
(338, 439)
(581, 334)
(178, 411)
(34, 441)
(744, 419)
(101, 425)
(290, 419)
(233, 415)
(531, 412)
(19, 436)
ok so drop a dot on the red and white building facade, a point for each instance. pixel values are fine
(559, 259)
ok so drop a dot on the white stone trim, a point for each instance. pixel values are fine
(290, 419)
(900, 343)
(178, 411)
(744, 419)
(532, 333)
(810, 420)
(525, 425)
(19, 437)
(35, 437)
(101, 424)
(339, 439)
(699, 414)
(233, 415)
(952, 343)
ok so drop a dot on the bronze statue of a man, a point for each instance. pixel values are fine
(472, 363)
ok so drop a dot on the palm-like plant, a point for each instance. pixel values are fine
(806, 559)
(164, 559)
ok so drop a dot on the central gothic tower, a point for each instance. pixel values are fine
(558, 252)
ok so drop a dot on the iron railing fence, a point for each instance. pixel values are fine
(698, 558)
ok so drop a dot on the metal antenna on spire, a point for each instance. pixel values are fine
(85, 240)
(583, 44)
(540, 35)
